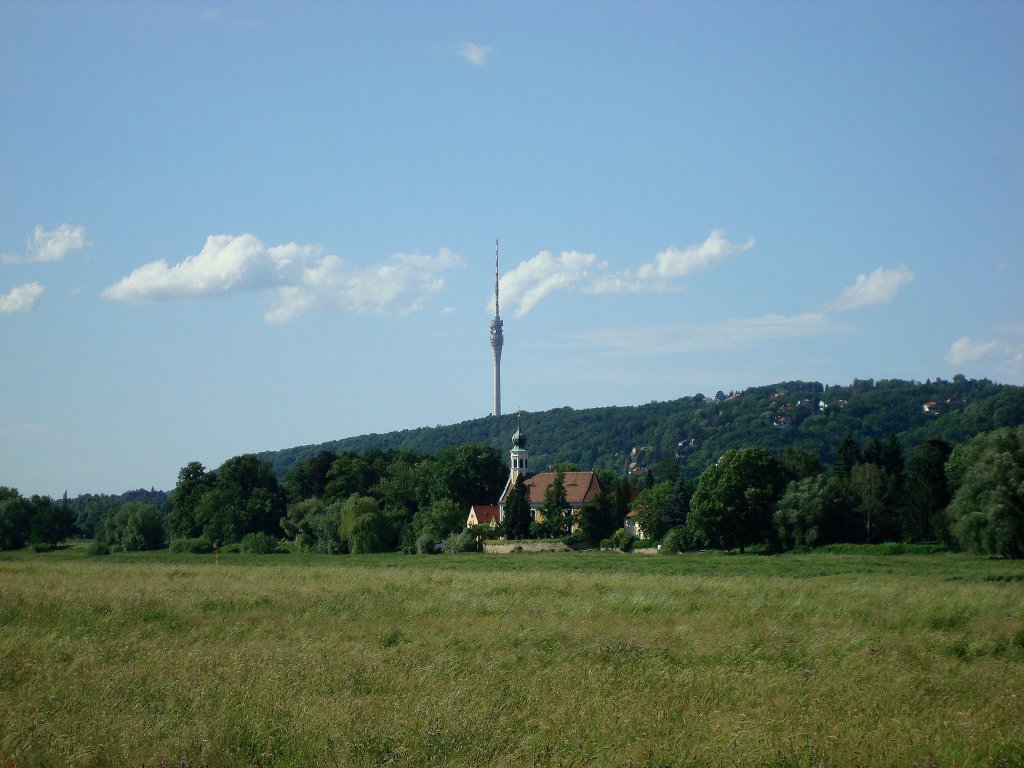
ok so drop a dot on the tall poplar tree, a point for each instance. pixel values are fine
(517, 510)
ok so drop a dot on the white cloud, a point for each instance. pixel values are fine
(535, 278)
(880, 287)
(967, 350)
(399, 286)
(679, 262)
(300, 276)
(51, 245)
(20, 299)
(476, 55)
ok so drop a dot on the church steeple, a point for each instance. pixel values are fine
(497, 338)
(518, 457)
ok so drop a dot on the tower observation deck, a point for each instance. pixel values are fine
(497, 338)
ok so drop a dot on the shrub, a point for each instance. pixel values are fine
(197, 546)
(135, 526)
(364, 527)
(576, 541)
(626, 542)
(324, 534)
(97, 547)
(463, 541)
(426, 543)
(258, 544)
(607, 544)
(674, 541)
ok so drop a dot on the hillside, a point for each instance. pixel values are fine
(694, 431)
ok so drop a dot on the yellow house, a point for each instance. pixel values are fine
(479, 514)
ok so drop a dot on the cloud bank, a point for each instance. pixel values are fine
(301, 277)
(20, 299)
(530, 281)
(725, 334)
(880, 287)
(50, 245)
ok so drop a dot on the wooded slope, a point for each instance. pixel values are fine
(694, 431)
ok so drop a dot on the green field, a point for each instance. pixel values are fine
(546, 659)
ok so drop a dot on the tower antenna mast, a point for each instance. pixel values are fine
(497, 338)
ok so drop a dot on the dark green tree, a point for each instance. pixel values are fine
(623, 493)
(307, 479)
(91, 511)
(135, 526)
(798, 463)
(349, 473)
(677, 505)
(297, 523)
(193, 483)
(800, 513)
(986, 514)
(927, 492)
(557, 519)
(847, 456)
(51, 523)
(363, 525)
(15, 519)
(649, 510)
(245, 498)
(440, 518)
(892, 460)
(597, 519)
(516, 520)
(732, 506)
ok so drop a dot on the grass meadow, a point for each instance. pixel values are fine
(572, 659)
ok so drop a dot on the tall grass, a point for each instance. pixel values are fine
(547, 659)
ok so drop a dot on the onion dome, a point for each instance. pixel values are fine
(519, 438)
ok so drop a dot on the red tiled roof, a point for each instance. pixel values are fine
(485, 513)
(580, 487)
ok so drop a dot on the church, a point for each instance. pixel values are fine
(581, 488)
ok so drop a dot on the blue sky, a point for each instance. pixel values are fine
(243, 226)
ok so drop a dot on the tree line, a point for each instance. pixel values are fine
(966, 496)
(970, 497)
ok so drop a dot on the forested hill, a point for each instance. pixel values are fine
(695, 431)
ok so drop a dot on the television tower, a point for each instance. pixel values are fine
(497, 339)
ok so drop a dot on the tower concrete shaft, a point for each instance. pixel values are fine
(497, 338)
